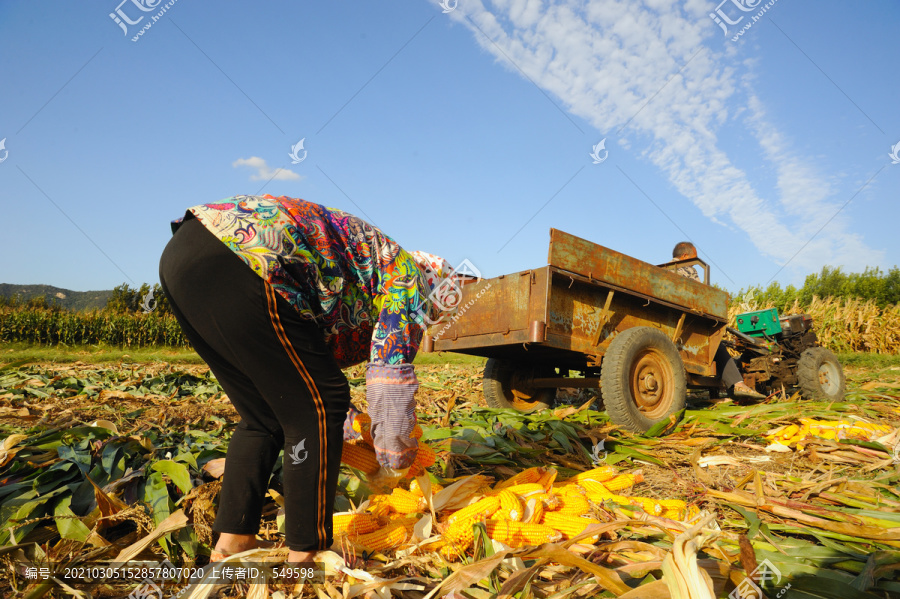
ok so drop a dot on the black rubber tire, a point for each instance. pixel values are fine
(634, 355)
(820, 375)
(498, 384)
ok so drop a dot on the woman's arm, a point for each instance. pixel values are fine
(391, 382)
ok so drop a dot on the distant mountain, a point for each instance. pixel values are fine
(71, 300)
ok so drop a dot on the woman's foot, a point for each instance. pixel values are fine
(229, 544)
(745, 391)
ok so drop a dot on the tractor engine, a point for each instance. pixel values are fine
(771, 347)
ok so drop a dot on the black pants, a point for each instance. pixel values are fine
(278, 373)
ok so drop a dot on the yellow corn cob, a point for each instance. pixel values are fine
(460, 533)
(601, 474)
(524, 490)
(520, 534)
(650, 506)
(404, 502)
(354, 524)
(691, 512)
(598, 492)
(595, 491)
(415, 488)
(381, 511)
(360, 456)
(623, 481)
(529, 475)
(671, 504)
(673, 514)
(569, 526)
(789, 431)
(479, 510)
(434, 545)
(548, 478)
(569, 489)
(450, 552)
(362, 424)
(510, 506)
(408, 521)
(416, 432)
(425, 456)
(550, 501)
(391, 536)
(534, 511)
(572, 505)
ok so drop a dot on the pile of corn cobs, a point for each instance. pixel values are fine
(530, 508)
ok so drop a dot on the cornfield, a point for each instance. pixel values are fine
(89, 328)
(842, 325)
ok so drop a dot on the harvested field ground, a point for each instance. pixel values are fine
(150, 438)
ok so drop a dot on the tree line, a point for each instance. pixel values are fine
(870, 285)
(124, 300)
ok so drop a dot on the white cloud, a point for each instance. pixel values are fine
(605, 59)
(264, 172)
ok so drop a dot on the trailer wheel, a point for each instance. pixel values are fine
(643, 379)
(505, 386)
(820, 375)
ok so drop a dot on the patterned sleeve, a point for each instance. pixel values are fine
(397, 333)
(689, 272)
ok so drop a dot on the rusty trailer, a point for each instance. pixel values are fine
(642, 332)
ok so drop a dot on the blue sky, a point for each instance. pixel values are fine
(465, 133)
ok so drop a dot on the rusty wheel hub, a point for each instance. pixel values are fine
(651, 383)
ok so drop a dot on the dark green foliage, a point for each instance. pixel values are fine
(128, 300)
(66, 298)
(871, 284)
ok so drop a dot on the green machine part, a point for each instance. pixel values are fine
(759, 323)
